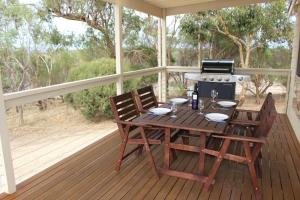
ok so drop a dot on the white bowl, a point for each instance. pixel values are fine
(216, 117)
(226, 104)
(179, 100)
(160, 111)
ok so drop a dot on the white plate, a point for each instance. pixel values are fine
(216, 117)
(179, 100)
(226, 104)
(160, 111)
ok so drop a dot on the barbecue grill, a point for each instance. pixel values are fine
(217, 71)
(218, 75)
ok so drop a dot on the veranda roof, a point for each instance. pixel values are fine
(174, 7)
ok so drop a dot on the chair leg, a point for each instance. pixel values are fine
(121, 154)
(217, 164)
(257, 167)
(139, 151)
(148, 151)
(252, 172)
(185, 140)
(173, 155)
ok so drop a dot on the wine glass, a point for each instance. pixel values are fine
(201, 106)
(214, 94)
(174, 110)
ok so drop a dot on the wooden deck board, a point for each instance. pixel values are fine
(89, 174)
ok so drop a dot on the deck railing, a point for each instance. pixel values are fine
(33, 95)
(277, 73)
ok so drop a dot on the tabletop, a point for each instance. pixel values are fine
(188, 119)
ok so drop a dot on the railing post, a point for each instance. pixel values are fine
(118, 45)
(6, 158)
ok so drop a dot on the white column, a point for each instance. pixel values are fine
(6, 158)
(118, 45)
(159, 61)
(164, 55)
(290, 111)
(294, 60)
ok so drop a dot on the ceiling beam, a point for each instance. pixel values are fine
(141, 6)
(212, 5)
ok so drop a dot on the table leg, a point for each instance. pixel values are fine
(167, 148)
(202, 154)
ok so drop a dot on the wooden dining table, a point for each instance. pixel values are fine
(194, 123)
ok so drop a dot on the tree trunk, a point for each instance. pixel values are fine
(200, 53)
(169, 56)
(257, 85)
(110, 48)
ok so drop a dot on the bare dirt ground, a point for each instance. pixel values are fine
(50, 136)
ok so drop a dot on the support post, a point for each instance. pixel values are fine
(159, 61)
(164, 74)
(294, 61)
(118, 45)
(6, 158)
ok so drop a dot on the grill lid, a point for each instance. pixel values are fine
(223, 66)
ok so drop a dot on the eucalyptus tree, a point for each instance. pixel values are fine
(252, 29)
(96, 14)
(195, 29)
(17, 24)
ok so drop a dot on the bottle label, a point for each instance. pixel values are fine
(195, 97)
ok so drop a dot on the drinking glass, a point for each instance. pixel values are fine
(214, 94)
(174, 110)
(201, 106)
(189, 94)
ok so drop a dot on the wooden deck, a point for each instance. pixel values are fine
(89, 174)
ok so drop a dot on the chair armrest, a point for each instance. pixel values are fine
(244, 110)
(244, 122)
(129, 123)
(241, 138)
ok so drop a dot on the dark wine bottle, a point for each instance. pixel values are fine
(195, 98)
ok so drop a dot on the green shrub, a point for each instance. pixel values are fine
(93, 103)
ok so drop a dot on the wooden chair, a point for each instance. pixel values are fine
(250, 155)
(146, 98)
(249, 118)
(125, 109)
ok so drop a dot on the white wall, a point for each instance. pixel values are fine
(295, 121)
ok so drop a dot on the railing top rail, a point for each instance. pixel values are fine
(249, 71)
(32, 95)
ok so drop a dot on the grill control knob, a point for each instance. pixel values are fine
(211, 79)
(241, 78)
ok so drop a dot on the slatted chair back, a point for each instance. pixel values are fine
(124, 108)
(267, 117)
(146, 98)
(267, 101)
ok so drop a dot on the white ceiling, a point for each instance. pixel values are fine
(174, 7)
